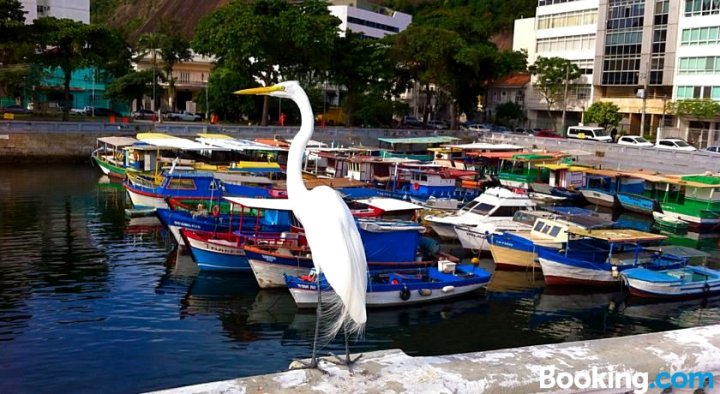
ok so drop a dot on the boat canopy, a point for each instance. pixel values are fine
(235, 144)
(418, 140)
(618, 235)
(484, 146)
(537, 156)
(492, 155)
(280, 204)
(389, 204)
(171, 142)
(118, 141)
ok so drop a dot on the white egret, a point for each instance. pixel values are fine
(332, 235)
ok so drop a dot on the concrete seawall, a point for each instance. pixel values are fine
(500, 371)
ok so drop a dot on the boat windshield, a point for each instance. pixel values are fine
(482, 209)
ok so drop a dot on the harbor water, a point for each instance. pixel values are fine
(92, 301)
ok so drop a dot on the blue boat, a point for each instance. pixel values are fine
(596, 257)
(145, 192)
(638, 203)
(684, 282)
(268, 220)
(399, 287)
(602, 186)
(387, 244)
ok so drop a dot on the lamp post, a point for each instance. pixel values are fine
(207, 99)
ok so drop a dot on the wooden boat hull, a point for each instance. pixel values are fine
(556, 273)
(637, 203)
(600, 198)
(642, 283)
(471, 239)
(305, 293)
(143, 200)
(508, 259)
(443, 230)
(109, 169)
(216, 255)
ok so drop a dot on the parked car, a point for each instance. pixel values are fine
(184, 116)
(674, 144)
(100, 111)
(478, 128)
(15, 109)
(142, 114)
(546, 133)
(713, 149)
(589, 133)
(634, 140)
(437, 124)
(500, 129)
(411, 121)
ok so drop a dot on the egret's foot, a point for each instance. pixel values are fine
(347, 361)
(302, 364)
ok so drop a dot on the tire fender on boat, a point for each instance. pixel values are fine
(404, 293)
(216, 210)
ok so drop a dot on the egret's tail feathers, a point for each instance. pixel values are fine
(335, 317)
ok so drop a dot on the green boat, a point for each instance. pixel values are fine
(694, 199)
(111, 155)
(521, 169)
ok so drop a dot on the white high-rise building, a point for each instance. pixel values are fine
(78, 10)
(371, 21)
(565, 29)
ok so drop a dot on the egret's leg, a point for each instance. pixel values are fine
(349, 361)
(318, 314)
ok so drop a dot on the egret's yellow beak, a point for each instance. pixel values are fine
(261, 90)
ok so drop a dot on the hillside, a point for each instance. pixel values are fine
(135, 17)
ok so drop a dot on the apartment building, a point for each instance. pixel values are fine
(78, 10)
(638, 54)
(370, 20)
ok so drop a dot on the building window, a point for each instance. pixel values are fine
(699, 65)
(575, 18)
(698, 92)
(550, 2)
(702, 7)
(701, 36)
(568, 43)
(375, 25)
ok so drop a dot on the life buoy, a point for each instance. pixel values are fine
(216, 210)
(405, 294)
(416, 186)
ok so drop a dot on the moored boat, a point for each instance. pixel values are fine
(397, 287)
(495, 202)
(685, 282)
(670, 223)
(595, 257)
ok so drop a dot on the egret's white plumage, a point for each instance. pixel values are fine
(331, 232)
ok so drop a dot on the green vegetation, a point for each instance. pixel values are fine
(553, 75)
(603, 113)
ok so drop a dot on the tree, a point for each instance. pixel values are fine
(604, 113)
(150, 43)
(509, 113)
(174, 48)
(269, 38)
(553, 74)
(71, 45)
(360, 65)
(131, 86)
(15, 48)
(703, 110)
(223, 82)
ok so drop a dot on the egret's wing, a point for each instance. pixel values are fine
(336, 247)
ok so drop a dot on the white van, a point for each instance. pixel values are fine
(589, 133)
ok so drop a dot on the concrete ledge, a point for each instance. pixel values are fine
(500, 371)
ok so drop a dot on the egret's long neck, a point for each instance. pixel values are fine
(295, 182)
